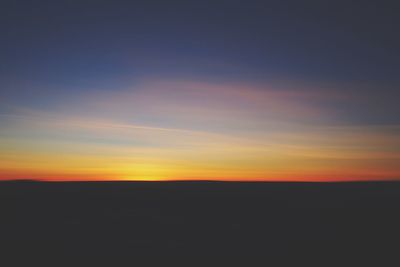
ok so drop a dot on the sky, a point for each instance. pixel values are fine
(204, 90)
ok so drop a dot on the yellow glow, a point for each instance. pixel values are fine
(195, 131)
(144, 172)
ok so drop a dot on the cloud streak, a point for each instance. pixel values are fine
(159, 130)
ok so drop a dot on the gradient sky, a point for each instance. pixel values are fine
(226, 90)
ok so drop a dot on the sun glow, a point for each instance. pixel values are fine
(144, 172)
(196, 131)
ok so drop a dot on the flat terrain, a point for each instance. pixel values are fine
(199, 224)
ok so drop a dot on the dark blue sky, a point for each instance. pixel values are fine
(70, 46)
(316, 39)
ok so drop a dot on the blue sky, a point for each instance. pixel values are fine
(334, 62)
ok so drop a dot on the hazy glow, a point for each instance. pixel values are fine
(168, 130)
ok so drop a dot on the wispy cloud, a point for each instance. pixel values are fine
(183, 129)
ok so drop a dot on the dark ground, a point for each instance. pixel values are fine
(199, 224)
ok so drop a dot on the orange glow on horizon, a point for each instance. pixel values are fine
(184, 130)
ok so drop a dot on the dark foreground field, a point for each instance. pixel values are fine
(199, 224)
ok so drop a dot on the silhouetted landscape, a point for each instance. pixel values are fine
(199, 223)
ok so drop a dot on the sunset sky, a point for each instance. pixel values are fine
(210, 90)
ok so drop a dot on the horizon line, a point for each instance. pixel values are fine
(201, 181)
